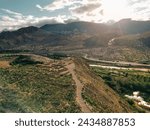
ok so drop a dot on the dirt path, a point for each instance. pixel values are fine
(4, 64)
(79, 85)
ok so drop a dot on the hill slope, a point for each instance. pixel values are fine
(96, 93)
(38, 84)
(128, 26)
(35, 84)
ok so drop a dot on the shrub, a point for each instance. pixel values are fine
(24, 60)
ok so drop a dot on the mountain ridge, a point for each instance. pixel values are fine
(82, 37)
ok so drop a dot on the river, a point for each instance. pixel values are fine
(120, 68)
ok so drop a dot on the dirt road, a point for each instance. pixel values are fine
(120, 68)
(133, 64)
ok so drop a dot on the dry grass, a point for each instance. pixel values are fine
(37, 88)
(96, 93)
(4, 64)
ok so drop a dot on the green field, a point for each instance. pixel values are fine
(125, 82)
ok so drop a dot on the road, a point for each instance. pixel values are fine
(117, 62)
(119, 68)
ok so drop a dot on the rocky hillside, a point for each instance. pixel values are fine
(118, 41)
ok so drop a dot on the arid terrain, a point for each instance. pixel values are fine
(76, 67)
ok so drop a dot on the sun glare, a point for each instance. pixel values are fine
(115, 9)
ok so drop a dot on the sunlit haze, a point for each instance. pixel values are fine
(20, 13)
(115, 9)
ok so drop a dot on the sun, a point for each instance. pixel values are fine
(115, 9)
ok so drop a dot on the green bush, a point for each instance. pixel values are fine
(24, 60)
(57, 56)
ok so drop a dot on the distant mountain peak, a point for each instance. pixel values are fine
(125, 20)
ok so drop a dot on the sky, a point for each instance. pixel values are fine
(15, 14)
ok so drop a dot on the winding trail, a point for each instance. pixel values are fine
(79, 85)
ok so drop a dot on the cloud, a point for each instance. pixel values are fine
(85, 8)
(88, 11)
(82, 10)
(58, 4)
(47, 20)
(133, 2)
(18, 20)
(140, 9)
(38, 6)
(11, 12)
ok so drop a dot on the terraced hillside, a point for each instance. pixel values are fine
(32, 83)
(28, 85)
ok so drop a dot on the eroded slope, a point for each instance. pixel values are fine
(96, 93)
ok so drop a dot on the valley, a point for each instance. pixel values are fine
(66, 85)
(76, 67)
